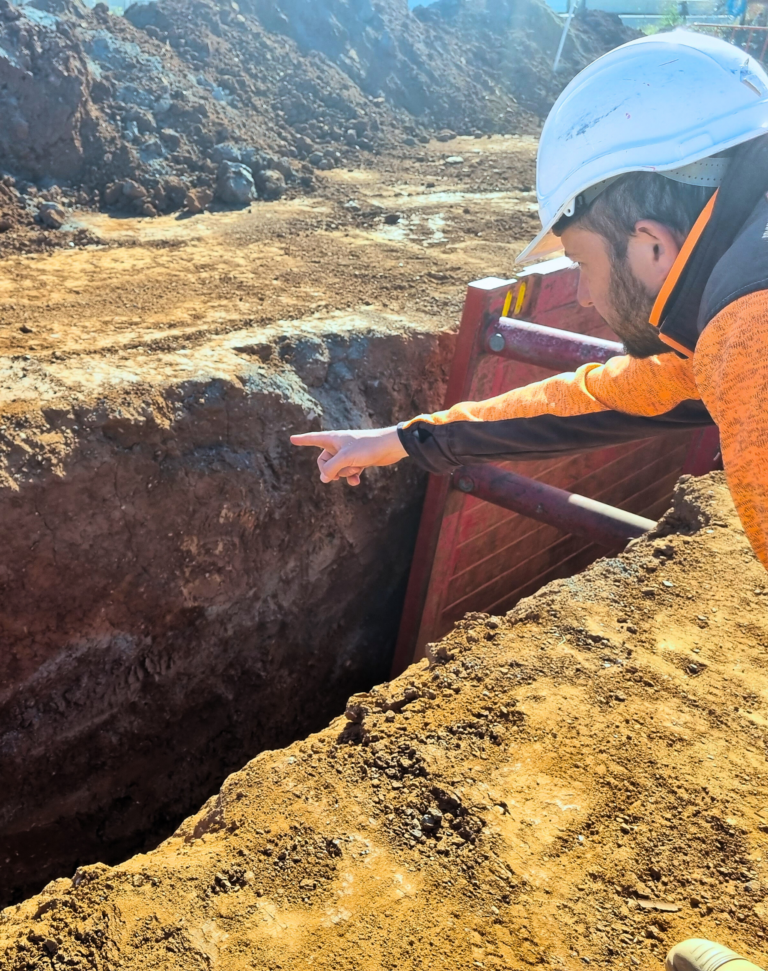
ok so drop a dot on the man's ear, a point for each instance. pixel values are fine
(651, 252)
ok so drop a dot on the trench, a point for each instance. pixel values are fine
(180, 592)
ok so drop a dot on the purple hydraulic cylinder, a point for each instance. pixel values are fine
(567, 511)
(547, 347)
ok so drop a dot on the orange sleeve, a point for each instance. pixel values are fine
(648, 386)
(731, 368)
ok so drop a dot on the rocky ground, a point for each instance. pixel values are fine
(581, 782)
(179, 104)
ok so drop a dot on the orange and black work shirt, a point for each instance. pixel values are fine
(713, 310)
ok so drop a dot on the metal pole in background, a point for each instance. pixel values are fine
(566, 28)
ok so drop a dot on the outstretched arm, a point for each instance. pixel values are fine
(652, 386)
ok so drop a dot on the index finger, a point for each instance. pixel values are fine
(319, 439)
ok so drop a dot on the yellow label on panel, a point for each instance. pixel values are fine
(520, 299)
(507, 304)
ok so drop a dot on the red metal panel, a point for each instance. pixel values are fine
(475, 556)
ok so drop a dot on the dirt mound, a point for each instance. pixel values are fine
(512, 45)
(30, 220)
(236, 102)
(579, 782)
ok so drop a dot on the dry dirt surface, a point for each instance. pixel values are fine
(402, 233)
(581, 782)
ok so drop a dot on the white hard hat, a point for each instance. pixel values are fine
(657, 104)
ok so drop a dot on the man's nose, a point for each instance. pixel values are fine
(582, 294)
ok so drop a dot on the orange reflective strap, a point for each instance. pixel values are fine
(678, 266)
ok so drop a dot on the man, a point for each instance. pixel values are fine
(652, 171)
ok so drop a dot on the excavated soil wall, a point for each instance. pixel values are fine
(580, 783)
(179, 591)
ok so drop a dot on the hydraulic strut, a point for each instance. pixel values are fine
(547, 347)
(569, 512)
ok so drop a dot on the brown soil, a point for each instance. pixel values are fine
(179, 590)
(579, 782)
(162, 96)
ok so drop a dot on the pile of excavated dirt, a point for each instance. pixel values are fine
(581, 782)
(33, 224)
(181, 104)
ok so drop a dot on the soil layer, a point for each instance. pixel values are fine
(180, 591)
(580, 782)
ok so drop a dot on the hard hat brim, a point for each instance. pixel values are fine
(543, 247)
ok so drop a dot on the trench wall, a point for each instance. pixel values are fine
(180, 592)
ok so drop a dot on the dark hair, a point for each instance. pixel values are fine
(636, 196)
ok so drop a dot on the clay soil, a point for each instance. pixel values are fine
(581, 782)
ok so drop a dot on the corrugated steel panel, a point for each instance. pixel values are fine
(473, 556)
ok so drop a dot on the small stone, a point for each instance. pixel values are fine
(694, 902)
(52, 215)
(234, 184)
(619, 696)
(446, 135)
(51, 946)
(355, 713)
(642, 891)
(649, 591)
(307, 885)
(392, 218)
(390, 716)
(284, 167)
(270, 183)
(631, 629)
(304, 146)
(454, 160)
(196, 200)
(693, 668)
(132, 190)
(226, 152)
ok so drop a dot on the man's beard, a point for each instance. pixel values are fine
(631, 306)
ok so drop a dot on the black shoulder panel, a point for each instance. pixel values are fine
(742, 270)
